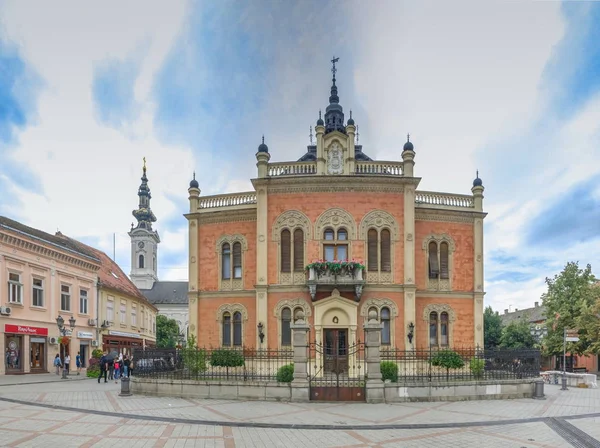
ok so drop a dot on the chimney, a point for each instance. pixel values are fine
(505, 311)
(537, 304)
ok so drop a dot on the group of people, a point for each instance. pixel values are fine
(113, 368)
(58, 363)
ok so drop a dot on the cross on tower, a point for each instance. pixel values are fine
(311, 136)
(333, 69)
(357, 134)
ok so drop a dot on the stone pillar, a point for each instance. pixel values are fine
(350, 160)
(478, 290)
(262, 312)
(320, 132)
(410, 287)
(193, 261)
(300, 384)
(375, 388)
(262, 163)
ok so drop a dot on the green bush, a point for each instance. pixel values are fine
(477, 367)
(93, 371)
(389, 371)
(447, 359)
(285, 374)
(97, 353)
(226, 358)
(194, 359)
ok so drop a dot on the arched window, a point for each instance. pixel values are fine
(226, 261)
(237, 328)
(434, 267)
(444, 329)
(385, 251)
(372, 258)
(286, 331)
(335, 248)
(298, 250)
(444, 270)
(286, 250)
(328, 235)
(226, 329)
(141, 261)
(342, 235)
(433, 329)
(237, 260)
(386, 333)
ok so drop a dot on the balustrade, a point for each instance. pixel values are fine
(446, 199)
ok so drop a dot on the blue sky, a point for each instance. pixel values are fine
(86, 93)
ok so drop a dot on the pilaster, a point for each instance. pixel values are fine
(262, 313)
(300, 384)
(194, 277)
(478, 274)
(320, 131)
(350, 160)
(410, 288)
(374, 384)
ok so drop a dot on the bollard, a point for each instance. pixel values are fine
(538, 392)
(125, 392)
(563, 380)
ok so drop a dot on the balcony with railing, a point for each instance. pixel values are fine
(444, 200)
(233, 200)
(324, 275)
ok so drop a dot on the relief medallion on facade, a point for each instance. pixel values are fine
(335, 159)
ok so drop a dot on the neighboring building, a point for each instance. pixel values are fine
(169, 297)
(248, 252)
(536, 317)
(44, 276)
(126, 320)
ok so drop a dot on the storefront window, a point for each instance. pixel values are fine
(37, 349)
(12, 354)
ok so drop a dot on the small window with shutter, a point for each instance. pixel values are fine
(286, 251)
(444, 271)
(434, 268)
(372, 264)
(386, 261)
(298, 250)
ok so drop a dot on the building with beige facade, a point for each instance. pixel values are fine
(336, 235)
(44, 276)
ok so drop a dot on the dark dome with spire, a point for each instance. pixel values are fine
(477, 182)
(334, 113)
(408, 146)
(262, 147)
(350, 120)
(194, 183)
(320, 121)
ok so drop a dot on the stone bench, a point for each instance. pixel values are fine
(573, 379)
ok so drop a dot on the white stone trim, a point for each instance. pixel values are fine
(440, 308)
(231, 308)
(292, 304)
(439, 284)
(232, 283)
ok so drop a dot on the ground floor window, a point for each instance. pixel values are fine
(37, 353)
(13, 353)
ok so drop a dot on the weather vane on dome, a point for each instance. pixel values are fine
(333, 69)
(144, 159)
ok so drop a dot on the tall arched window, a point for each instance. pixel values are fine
(226, 329)
(385, 251)
(444, 340)
(298, 250)
(386, 333)
(444, 270)
(372, 259)
(286, 251)
(226, 261)
(141, 261)
(286, 331)
(237, 328)
(379, 251)
(433, 329)
(237, 260)
(434, 267)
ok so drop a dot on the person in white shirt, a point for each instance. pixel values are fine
(67, 362)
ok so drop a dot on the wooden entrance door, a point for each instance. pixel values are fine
(336, 351)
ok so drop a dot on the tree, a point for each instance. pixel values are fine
(492, 328)
(588, 324)
(447, 359)
(570, 302)
(517, 334)
(167, 332)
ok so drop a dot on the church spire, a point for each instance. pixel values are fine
(334, 114)
(143, 213)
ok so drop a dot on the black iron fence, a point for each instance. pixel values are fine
(237, 364)
(465, 364)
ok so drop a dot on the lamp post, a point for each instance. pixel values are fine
(60, 323)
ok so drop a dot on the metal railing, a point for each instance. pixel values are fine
(214, 364)
(464, 364)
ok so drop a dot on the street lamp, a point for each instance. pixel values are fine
(411, 332)
(261, 334)
(60, 323)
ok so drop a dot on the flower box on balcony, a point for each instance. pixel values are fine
(336, 273)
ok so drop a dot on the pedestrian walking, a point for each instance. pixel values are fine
(111, 367)
(103, 367)
(57, 363)
(126, 364)
(78, 363)
(67, 362)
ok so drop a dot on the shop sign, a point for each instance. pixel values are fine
(38, 340)
(84, 335)
(123, 334)
(25, 329)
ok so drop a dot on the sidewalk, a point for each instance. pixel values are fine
(37, 378)
(104, 398)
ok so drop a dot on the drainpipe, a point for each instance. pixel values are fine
(98, 284)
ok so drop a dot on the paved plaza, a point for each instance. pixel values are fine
(47, 412)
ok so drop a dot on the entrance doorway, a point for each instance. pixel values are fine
(37, 354)
(83, 353)
(337, 367)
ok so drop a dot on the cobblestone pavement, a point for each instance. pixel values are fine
(85, 414)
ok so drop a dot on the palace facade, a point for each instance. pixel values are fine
(336, 234)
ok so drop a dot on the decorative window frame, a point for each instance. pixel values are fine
(440, 308)
(439, 284)
(87, 301)
(292, 304)
(291, 220)
(231, 283)
(231, 308)
(19, 285)
(379, 220)
(42, 289)
(379, 304)
(335, 218)
(70, 294)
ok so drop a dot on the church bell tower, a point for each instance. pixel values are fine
(144, 240)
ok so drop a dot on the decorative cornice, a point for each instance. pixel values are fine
(467, 217)
(23, 244)
(222, 294)
(336, 184)
(221, 216)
